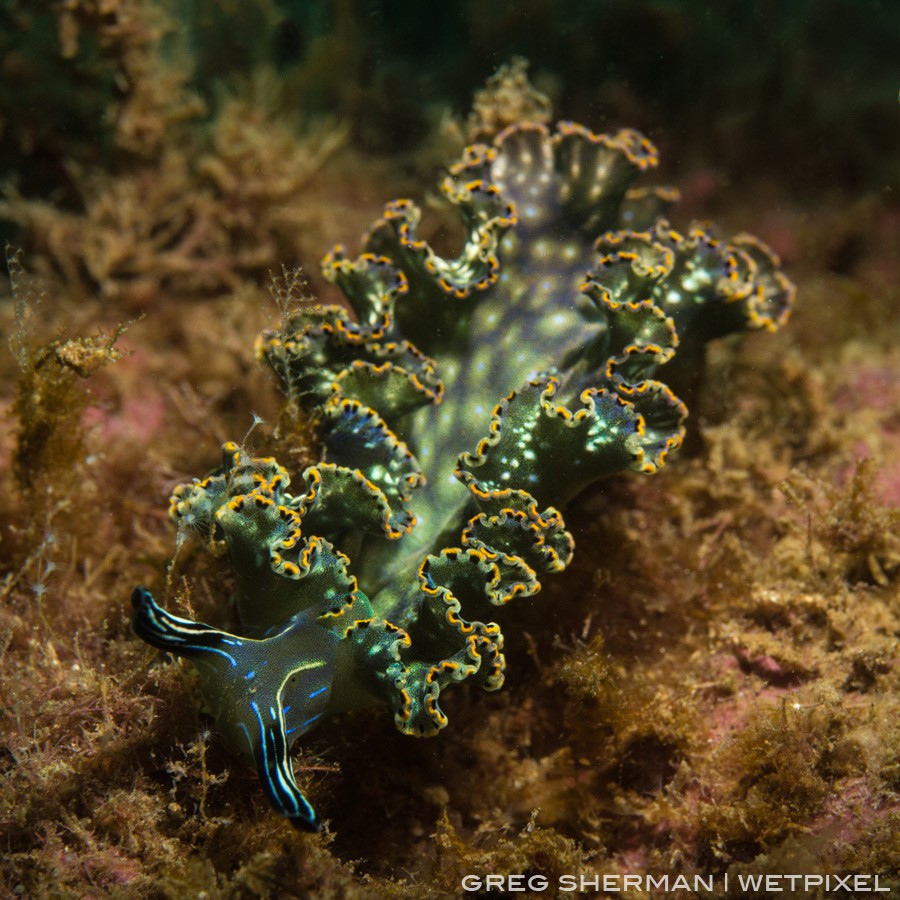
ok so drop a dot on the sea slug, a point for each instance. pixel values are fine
(460, 404)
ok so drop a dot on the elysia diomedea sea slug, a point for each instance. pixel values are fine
(460, 404)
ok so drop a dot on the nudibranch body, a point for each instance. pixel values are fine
(461, 401)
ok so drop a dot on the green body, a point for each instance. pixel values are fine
(463, 402)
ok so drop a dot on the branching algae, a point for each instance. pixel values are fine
(462, 402)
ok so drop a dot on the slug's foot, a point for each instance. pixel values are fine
(262, 697)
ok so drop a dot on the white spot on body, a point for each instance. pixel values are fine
(541, 249)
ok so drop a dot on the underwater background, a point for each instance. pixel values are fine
(711, 687)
